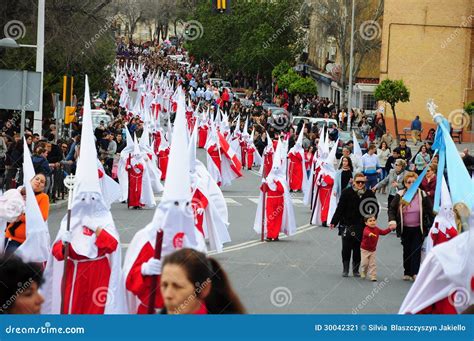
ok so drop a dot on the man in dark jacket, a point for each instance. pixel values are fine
(354, 204)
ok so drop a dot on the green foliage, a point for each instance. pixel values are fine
(392, 92)
(254, 38)
(469, 108)
(286, 80)
(303, 86)
(280, 69)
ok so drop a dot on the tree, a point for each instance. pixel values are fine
(79, 39)
(333, 19)
(285, 81)
(252, 40)
(303, 86)
(392, 92)
(280, 69)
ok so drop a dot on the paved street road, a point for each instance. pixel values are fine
(299, 274)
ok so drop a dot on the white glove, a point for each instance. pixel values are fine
(66, 237)
(152, 267)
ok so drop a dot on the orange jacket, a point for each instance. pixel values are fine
(20, 231)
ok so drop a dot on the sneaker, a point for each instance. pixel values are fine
(374, 279)
(345, 274)
(413, 278)
(356, 274)
(407, 278)
(362, 275)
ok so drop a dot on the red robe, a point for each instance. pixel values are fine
(139, 284)
(199, 201)
(89, 275)
(250, 151)
(295, 171)
(267, 163)
(156, 145)
(243, 151)
(163, 161)
(202, 131)
(274, 207)
(445, 306)
(135, 178)
(441, 237)
(215, 155)
(324, 196)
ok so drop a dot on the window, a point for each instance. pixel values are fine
(368, 102)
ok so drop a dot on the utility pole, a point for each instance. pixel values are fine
(351, 68)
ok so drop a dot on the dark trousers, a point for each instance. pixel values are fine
(351, 245)
(371, 180)
(412, 240)
(389, 200)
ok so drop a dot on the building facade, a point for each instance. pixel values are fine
(429, 45)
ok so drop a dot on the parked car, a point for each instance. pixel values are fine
(241, 96)
(99, 115)
(320, 122)
(345, 136)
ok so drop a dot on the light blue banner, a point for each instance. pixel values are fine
(241, 327)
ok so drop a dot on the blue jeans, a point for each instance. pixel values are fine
(371, 180)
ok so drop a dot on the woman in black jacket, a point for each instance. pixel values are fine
(355, 203)
(413, 221)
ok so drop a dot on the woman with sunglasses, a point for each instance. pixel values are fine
(353, 203)
(413, 221)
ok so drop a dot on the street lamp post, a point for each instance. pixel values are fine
(351, 68)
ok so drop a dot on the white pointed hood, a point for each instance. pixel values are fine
(36, 247)
(87, 177)
(356, 149)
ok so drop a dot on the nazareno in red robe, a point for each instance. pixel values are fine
(156, 145)
(250, 151)
(216, 158)
(202, 134)
(324, 196)
(274, 207)
(86, 279)
(243, 151)
(135, 179)
(163, 161)
(139, 284)
(295, 171)
(267, 163)
(199, 201)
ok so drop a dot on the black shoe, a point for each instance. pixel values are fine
(345, 271)
(355, 270)
(276, 239)
(325, 224)
(269, 239)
